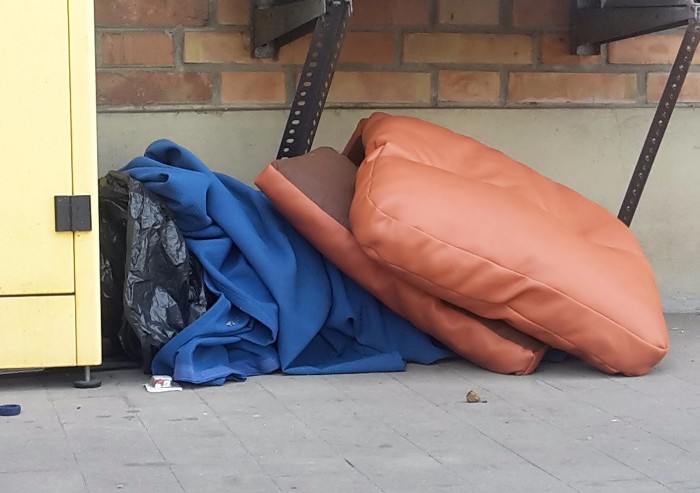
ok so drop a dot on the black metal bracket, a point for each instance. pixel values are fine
(275, 23)
(664, 110)
(315, 80)
(596, 22)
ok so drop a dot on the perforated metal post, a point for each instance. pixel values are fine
(661, 118)
(315, 81)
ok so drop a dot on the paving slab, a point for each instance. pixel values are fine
(565, 428)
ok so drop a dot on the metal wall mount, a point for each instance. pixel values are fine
(315, 80)
(275, 23)
(659, 123)
(596, 22)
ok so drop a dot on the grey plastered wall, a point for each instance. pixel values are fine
(590, 150)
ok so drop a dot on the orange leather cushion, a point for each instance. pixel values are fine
(472, 226)
(314, 192)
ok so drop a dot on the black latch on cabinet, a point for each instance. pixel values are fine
(73, 213)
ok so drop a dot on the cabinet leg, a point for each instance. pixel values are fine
(88, 382)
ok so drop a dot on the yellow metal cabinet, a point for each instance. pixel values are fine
(49, 280)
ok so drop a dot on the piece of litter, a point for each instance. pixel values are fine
(161, 383)
(473, 396)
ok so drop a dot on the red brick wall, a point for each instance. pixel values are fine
(156, 54)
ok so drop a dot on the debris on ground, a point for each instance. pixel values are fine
(162, 383)
(473, 396)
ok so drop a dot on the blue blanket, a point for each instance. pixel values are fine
(279, 304)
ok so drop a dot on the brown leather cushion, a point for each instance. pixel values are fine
(472, 226)
(314, 191)
(355, 149)
(325, 178)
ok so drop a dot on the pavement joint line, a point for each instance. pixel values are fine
(155, 444)
(283, 404)
(233, 432)
(65, 435)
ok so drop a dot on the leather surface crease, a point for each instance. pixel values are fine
(481, 252)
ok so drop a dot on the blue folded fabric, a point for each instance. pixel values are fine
(279, 303)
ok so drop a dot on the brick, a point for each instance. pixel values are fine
(380, 87)
(216, 47)
(389, 12)
(467, 48)
(233, 12)
(364, 47)
(649, 49)
(554, 49)
(689, 94)
(294, 52)
(137, 88)
(253, 87)
(151, 12)
(463, 87)
(137, 48)
(374, 48)
(541, 13)
(551, 87)
(469, 12)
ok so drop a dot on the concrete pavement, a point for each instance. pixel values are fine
(566, 428)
